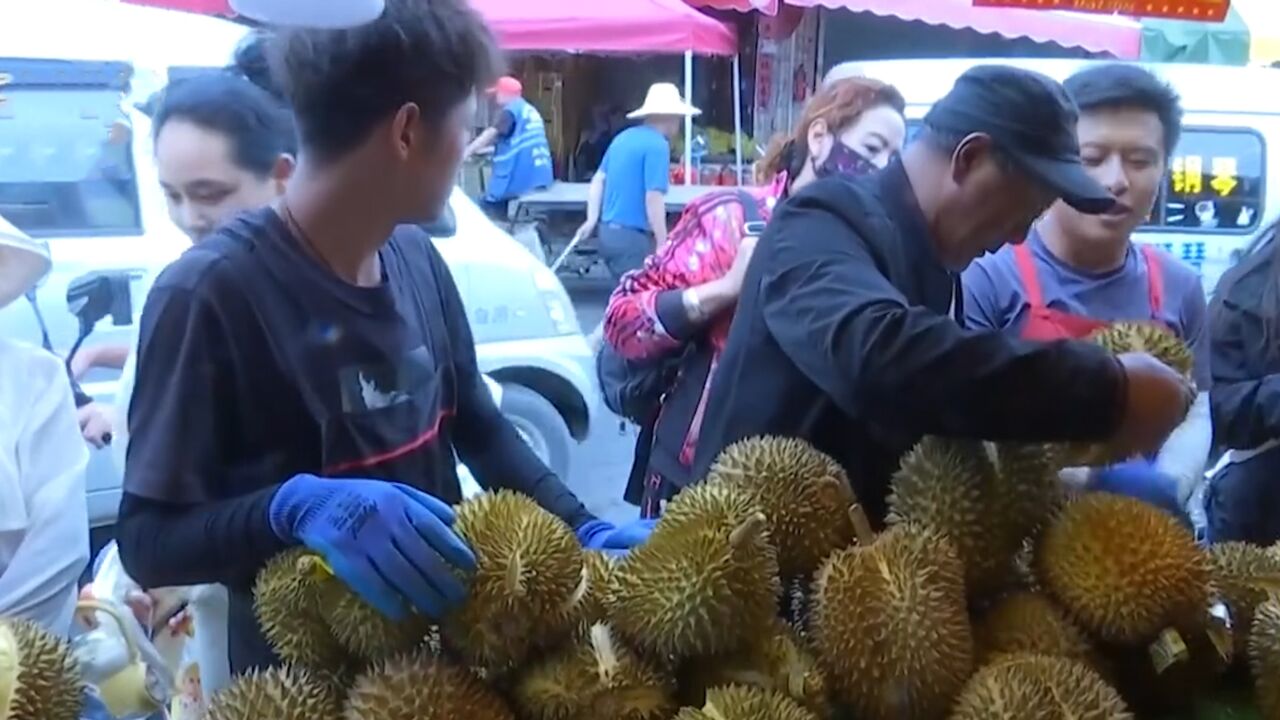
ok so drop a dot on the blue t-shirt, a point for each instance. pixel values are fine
(994, 296)
(637, 161)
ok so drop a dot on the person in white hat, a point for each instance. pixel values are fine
(44, 516)
(628, 193)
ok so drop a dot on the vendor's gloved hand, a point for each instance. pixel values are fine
(601, 535)
(388, 542)
(1139, 479)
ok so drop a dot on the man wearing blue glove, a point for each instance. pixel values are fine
(306, 374)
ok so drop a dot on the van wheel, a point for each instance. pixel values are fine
(541, 426)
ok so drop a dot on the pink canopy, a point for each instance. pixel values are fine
(631, 26)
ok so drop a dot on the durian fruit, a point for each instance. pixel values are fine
(1243, 574)
(1123, 569)
(1264, 657)
(421, 686)
(1146, 337)
(1030, 623)
(803, 492)
(286, 600)
(777, 660)
(528, 585)
(1020, 687)
(952, 487)
(361, 628)
(9, 667)
(738, 702)
(47, 684)
(283, 693)
(890, 623)
(706, 580)
(594, 606)
(594, 676)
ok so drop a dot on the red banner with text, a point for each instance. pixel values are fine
(1203, 10)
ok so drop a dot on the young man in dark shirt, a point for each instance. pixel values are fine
(306, 373)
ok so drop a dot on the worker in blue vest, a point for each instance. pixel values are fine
(521, 155)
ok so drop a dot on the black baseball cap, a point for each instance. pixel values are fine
(1032, 120)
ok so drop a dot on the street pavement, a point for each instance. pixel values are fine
(598, 470)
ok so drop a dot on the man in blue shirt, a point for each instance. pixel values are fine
(628, 192)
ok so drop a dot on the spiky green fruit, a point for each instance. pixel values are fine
(529, 583)
(804, 494)
(420, 686)
(1019, 687)
(738, 702)
(286, 600)
(1264, 657)
(706, 580)
(1245, 575)
(594, 676)
(1031, 623)
(47, 685)
(891, 626)
(283, 693)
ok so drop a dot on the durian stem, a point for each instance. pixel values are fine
(748, 530)
(515, 576)
(861, 525)
(602, 647)
(584, 585)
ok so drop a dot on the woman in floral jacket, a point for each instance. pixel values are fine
(680, 303)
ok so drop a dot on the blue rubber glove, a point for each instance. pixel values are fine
(1141, 480)
(388, 542)
(601, 535)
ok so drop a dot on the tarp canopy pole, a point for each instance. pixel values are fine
(688, 119)
(737, 114)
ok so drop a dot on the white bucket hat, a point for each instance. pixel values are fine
(318, 14)
(23, 262)
(664, 99)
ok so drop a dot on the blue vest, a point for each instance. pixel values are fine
(522, 160)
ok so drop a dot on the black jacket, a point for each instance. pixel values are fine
(842, 337)
(1245, 397)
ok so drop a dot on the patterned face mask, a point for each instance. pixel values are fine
(844, 160)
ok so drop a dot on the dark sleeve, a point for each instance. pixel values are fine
(855, 336)
(485, 440)
(1245, 405)
(506, 124)
(224, 542)
(179, 418)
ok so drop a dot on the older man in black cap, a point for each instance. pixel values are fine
(844, 333)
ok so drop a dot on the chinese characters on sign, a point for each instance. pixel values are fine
(1202, 10)
(1208, 200)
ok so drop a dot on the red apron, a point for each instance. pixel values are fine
(1045, 323)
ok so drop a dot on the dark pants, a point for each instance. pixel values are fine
(1243, 502)
(623, 249)
(498, 210)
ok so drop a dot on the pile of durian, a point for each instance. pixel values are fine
(765, 593)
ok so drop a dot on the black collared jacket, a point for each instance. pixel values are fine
(843, 336)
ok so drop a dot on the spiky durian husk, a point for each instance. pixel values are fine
(890, 625)
(363, 630)
(952, 487)
(803, 492)
(10, 665)
(1147, 337)
(704, 582)
(1264, 657)
(738, 702)
(528, 585)
(1235, 568)
(48, 684)
(1123, 569)
(594, 606)
(1020, 687)
(420, 686)
(286, 600)
(283, 693)
(778, 660)
(594, 676)
(1030, 623)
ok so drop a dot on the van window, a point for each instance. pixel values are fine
(66, 162)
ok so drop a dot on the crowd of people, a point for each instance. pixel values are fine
(868, 292)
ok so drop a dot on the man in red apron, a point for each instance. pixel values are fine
(1075, 274)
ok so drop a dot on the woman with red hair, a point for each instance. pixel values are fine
(672, 315)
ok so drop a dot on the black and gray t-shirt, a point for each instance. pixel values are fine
(256, 364)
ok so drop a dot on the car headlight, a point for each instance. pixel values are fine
(556, 302)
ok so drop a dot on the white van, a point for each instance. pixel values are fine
(1223, 184)
(76, 171)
